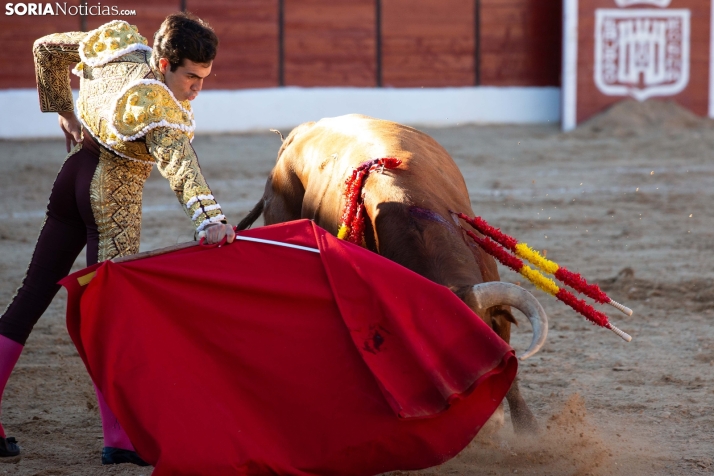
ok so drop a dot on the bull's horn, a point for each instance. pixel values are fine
(497, 293)
(282, 139)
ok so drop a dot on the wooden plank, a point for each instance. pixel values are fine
(428, 43)
(248, 34)
(148, 18)
(330, 43)
(17, 35)
(521, 42)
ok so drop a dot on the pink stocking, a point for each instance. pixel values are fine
(114, 434)
(9, 353)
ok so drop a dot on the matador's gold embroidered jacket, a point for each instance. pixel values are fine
(125, 105)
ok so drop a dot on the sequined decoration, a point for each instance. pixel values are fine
(177, 162)
(145, 104)
(100, 90)
(119, 103)
(115, 193)
(103, 43)
(53, 55)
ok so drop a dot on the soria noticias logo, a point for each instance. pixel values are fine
(58, 8)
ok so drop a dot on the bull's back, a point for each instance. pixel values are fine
(408, 207)
(331, 148)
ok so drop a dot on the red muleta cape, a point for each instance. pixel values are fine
(254, 358)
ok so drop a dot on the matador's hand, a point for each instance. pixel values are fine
(71, 127)
(215, 233)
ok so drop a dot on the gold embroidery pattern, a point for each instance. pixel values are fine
(146, 104)
(115, 193)
(124, 164)
(53, 55)
(98, 94)
(177, 162)
(109, 39)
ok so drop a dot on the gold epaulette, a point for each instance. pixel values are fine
(145, 105)
(109, 42)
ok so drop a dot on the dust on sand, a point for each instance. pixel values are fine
(569, 444)
(625, 200)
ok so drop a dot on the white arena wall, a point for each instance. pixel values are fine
(251, 110)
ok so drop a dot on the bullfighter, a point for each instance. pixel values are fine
(133, 113)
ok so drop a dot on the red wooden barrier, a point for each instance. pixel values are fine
(149, 15)
(330, 43)
(520, 42)
(428, 43)
(17, 34)
(248, 35)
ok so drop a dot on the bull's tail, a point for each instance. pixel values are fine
(253, 215)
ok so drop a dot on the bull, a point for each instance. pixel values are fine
(408, 217)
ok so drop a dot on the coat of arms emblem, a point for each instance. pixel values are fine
(656, 3)
(642, 52)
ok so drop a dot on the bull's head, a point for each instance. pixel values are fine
(492, 294)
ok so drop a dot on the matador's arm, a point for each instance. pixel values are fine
(177, 162)
(53, 56)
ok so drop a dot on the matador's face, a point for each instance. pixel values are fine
(187, 80)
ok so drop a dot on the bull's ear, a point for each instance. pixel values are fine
(506, 315)
(282, 139)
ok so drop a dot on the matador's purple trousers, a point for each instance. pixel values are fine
(69, 226)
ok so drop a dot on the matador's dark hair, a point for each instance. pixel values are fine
(185, 36)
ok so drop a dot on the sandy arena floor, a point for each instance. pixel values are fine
(625, 200)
